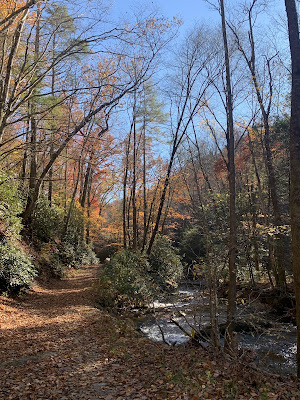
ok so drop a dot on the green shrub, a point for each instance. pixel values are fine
(166, 266)
(126, 278)
(85, 255)
(131, 277)
(50, 258)
(106, 295)
(56, 267)
(191, 245)
(47, 221)
(79, 254)
(67, 255)
(59, 251)
(11, 204)
(60, 256)
(75, 231)
(16, 269)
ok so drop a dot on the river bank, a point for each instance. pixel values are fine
(186, 312)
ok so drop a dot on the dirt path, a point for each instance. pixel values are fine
(55, 344)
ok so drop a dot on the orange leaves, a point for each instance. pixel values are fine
(9, 6)
(9, 13)
(161, 24)
(220, 166)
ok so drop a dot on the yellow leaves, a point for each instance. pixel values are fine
(273, 231)
(277, 230)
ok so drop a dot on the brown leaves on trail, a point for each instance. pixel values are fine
(56, 345)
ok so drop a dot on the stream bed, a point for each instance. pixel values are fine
(274, 345)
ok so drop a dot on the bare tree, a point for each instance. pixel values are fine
(231, 309)
(190, 88)
(265, 105)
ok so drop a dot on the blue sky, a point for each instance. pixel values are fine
(189, 11)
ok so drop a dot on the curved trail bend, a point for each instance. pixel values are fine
(55, 344)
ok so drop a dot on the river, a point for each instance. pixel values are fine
(272, 343)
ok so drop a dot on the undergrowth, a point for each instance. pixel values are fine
(16, 269)
(131, 278)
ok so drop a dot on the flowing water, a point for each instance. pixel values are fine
(274, 345)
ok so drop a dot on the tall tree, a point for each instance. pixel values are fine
(33, 113)
(265, 104)
(294, 39)
(231, 309)
(61, 27)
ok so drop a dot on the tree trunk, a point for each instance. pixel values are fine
(162, 199)
(88, 209)
(167, 209)
(212, 269)
(271, 265)
(50, 187)
(33, 154)
(87, 179)
(134, 210)
(144, 184)
(72, 202)
(254, 236)
(125, 226)
(280, 270)
(231, 309)
(33, 123)
(293, 27)
(25, 156)
(68, 217)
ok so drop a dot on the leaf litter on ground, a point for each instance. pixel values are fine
(56, 344)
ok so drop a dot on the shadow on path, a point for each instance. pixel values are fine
(55, 344)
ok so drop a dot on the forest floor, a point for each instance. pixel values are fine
(56, 344)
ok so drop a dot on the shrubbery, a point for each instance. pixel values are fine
(58, 257)
(16, 269)
(60, 250)
(57, 250)
(11, 205)
(132, 277)
(166, 266)
(191, 245)
(86, 255)
(126, 278)
(47, 222)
